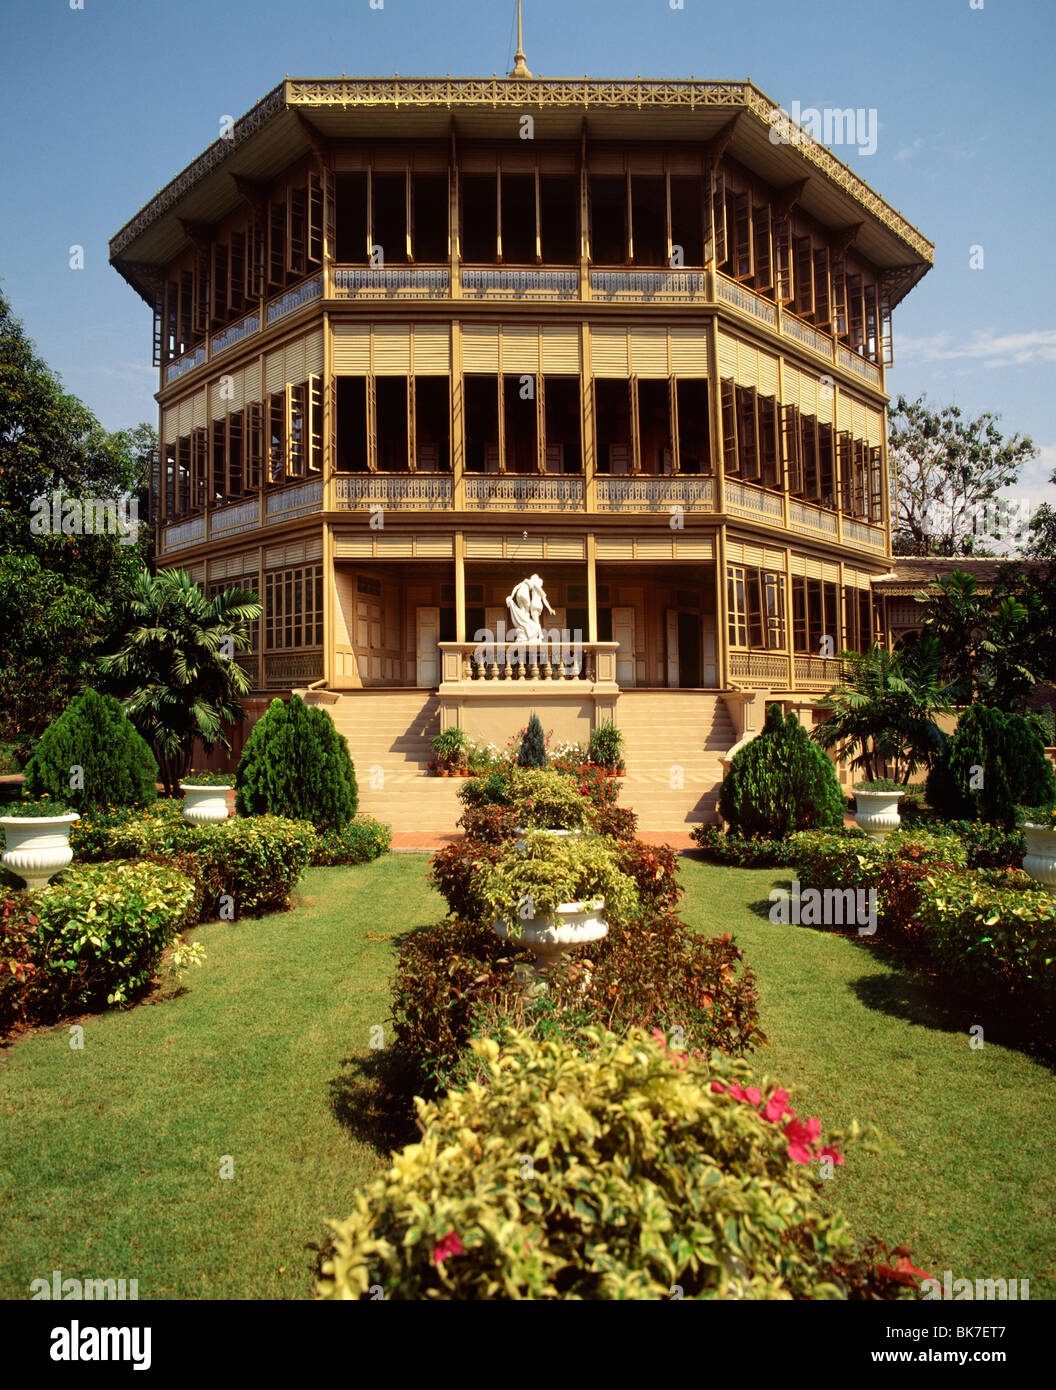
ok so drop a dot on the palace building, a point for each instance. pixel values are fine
(419, 339)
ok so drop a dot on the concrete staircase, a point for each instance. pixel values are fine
(666, 730)
(388, 734)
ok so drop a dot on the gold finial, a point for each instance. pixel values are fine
(519, 68)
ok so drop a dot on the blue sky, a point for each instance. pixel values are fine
(103, 105)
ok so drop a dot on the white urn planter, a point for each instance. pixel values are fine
(1040, 858)
(204, 805)
(877, 813)
(38, 847)
(550, 934)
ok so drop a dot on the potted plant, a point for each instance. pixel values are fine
(37, 839)
(1038, 825)
(205, 796)
(450, 748)
(548, 802)
(554, 894)
(606, 748)
(876, 807)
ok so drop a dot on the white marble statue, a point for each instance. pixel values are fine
(526, 605)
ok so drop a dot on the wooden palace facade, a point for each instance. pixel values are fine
(421, 338)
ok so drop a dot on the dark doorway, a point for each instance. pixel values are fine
(689, 673)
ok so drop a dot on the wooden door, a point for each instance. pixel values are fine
(623, 633)
(672, 648)
(427, 650)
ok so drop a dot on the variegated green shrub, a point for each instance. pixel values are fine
(631, 1171)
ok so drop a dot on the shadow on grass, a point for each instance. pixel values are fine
(373, 1099)
(914, 992)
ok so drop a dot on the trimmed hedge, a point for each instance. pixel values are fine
(1014, 769)
(295, 764)
(358, 842)
(92, 937)
(244, 865)
(823, 860)
(780, 782)
(658, 1175)
(95, 735)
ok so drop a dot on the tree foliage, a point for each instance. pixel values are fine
(296, 764)
(57, 591)
(994, 762)
(93, 757)
(533, 745)
(883, 710)
(949, 471)
(780, 782)
(173, 664)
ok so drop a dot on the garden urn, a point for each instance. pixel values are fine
(204, 805)
(1040, 858)
(550, 934)
(877, 813)
(38, 847)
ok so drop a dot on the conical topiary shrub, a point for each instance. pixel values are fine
(93, 756)
(296, 764)
(993, 762)
(533, 745)
(781, 782)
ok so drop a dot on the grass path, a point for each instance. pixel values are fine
(968, 1179)
(110, 1157)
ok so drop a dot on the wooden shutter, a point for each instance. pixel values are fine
(718, 213)
(235, 471)
(297, 231)
(827, 464)
(315, 220)
(839, 297)
(887, 342)
(257, 254)
(276, 260)
(412, 440)
(768, 450)
(236, 280)
(845, 455)
(276, 439)
(748, 432)
(199, 467)
(730, 459)
(811, 471)
(804, 276)
(329, 214)
(159, 327)
(822, 296)
(296, 434)
(218, 488)
(155, 485)
(792, 450)
(221, 270)
(872, 325)
(764, 261)
(876, 498)
(742, 236)
(254, 445)
(783, 260)
(315, 424)
(636, 439)
(855, 312)
(201, 292)
(372, 424)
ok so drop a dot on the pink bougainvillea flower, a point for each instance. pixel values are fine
(449, 1245)
(736, 1091)
(777, 1106)
(904, 1272)
(800, 1139)
(658, 1035)
(718, 1087)
(753, 1095)
(830, 1151)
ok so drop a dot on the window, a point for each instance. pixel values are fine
(293, 608)
(687, 219)
(694, 442)
(518, 219)
(432, 423)
(815, 616)
(429, 202)
(858, 614)
(350, 196)
(351, 424)
(479, 218)
(389, 231)
(612, 419)
(756, 608)
(562, 412)
(608, 219)
(649, 219)
(480, 394)
(559, 216)
(520, 424)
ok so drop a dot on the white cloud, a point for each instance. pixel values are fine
(908, 151)
(987, 346)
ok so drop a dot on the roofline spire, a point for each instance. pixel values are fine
(519, 67)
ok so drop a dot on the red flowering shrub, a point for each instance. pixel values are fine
(618, 822)
(654, 869)
(451, 873)
(19, 950)
(491, 824)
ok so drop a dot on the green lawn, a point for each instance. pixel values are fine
(110, 1157)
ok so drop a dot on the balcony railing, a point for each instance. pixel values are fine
(242, 516)
(509, 493)
(190, 532)
(184, 364)
(489, 667)
(753, 501)
(236, 332)
(351, 282)
(856, 363)
(759, 669)
(417, 491)
(819, 671)
(862, 533)
(809, 518)
(284, 669)
(654, 494)
(520, 284)
(307, 497)
(294, 299)
(647, 284)
(807, 335)
(746, 300)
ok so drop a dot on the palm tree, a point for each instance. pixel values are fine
(986, 642)
(174, 665)
(882, 711)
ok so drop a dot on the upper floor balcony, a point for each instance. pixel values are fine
(506, 494)
(338, 286)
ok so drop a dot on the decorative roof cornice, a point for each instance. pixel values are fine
(583, 93)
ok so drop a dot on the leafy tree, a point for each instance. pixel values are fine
(781, 782)
(57, 590)
(949, 471)
(991, 644)
(993, 762)
(296, 764)
(1042, 542)
(883, 710)
(533, 745)
(95, 737)
(174, 668)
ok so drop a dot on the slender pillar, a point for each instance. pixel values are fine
(592, 588)
(460, 587)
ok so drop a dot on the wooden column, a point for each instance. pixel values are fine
(460, 587)
(592, 587)
(458, 434)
